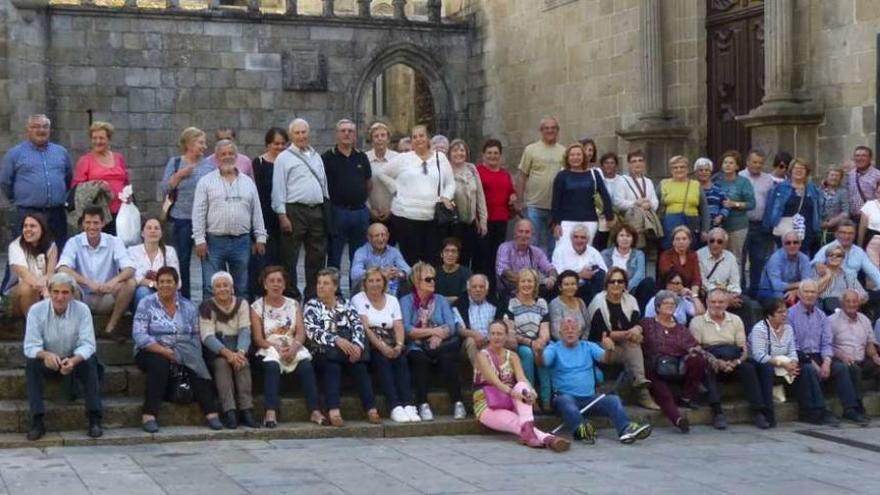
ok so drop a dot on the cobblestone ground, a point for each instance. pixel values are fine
(741, 460)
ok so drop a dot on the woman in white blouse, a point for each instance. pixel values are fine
(869, 223)
(149, 257)
(419, 175)
(635, 194)
(32, 259)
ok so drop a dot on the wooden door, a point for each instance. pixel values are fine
(735, 71)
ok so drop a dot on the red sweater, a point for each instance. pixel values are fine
(689, 271)
(498, 187)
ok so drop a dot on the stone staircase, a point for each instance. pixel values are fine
(123, 386)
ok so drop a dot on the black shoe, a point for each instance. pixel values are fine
(719, 422)
(856, 417)
(683, 425)
(230, 420)
(38, 429)
(761, 421)
(95, 429)
(214, 423)
(247, 418)
(689, 403)
(829, 419)
(151, 426)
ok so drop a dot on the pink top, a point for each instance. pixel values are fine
(242, 163)
(88, 168)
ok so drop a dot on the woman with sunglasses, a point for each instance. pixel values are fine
(615, 314)
(423, 178)
(528, 321)
(682, 202)
(689, 305)
(780, 166)
(429, 324)
(835, 281)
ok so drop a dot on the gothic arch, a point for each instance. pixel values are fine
(419, 60)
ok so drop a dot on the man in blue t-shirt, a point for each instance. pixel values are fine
(571, 362)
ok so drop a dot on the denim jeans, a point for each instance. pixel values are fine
(527, 356)
(542, 236)
(569, 408)
(759, 247)
(229, 253)
(183, 244)
(139, 293)
(393, 375)
(272, 384)
(86, 373)
(351, 229)
(812, 388)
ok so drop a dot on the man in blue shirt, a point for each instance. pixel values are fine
(34, 175)
(785, 269)
(59, 340)
(377, 253)
(571, 362)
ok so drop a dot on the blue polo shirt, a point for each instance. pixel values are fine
(571, 368)
(33, 177)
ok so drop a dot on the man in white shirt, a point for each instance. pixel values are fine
(583, 259)
(719, 270)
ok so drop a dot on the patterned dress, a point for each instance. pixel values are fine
(504, 371)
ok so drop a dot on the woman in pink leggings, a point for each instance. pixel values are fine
(500, 368)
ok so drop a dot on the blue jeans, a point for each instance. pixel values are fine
(140, 293)
(393, 375)
(351, 229)
(759, 247)
(272, 384)
(542, 236)
(610, 406)
(229, 253)
(183, 244)
(527, 356)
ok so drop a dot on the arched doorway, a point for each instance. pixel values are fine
(401, 97)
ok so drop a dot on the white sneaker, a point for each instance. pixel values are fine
(425, 412)
(398, 415)
(459, 411)
(413, 414)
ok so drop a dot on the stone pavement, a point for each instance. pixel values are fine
(741, 460)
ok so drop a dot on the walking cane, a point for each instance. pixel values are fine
(595, 401)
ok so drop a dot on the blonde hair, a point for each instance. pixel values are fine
(189, 135)
(679, 159)
(420, 268)
(802, 162)
(101, 126)
(375, 270)
(682, 228)
(376, 126)
(528, 272)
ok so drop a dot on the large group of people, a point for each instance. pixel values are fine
(542, 315)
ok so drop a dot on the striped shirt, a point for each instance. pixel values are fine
(224, 208)
(527, 318)
(764, 344)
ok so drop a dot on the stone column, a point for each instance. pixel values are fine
(435, 11)
(254, 6)
(399, 9)
(778, 48)
(364, 8)
(329, 8)
(654, 101)
(131, 4)
(291, 8)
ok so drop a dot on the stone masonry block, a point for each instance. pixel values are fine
(141, 99)
(304, 71)
(326, 33)
(248, 79)
(136, 77)
(76, 76)
(263, 61)
(69, 39)
(222, 29)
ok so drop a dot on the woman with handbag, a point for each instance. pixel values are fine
(168, 349)
(671, 354)
(336, 334)
(575, 190)
(470, 202)
(383, 322)
(429, 324)
(279, 336)
(793, 205)
(682, 202)
(422, 211)
(148, 258)
(528, 321)
(772, 348)
(503, 397)
(225, 327)
(182, 173)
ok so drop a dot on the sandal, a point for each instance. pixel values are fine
(319, 419)
(373, 417)
(269, 423)
(336, 419)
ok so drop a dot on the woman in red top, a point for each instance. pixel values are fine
(681, 259)
(103, 164)
(500, 198)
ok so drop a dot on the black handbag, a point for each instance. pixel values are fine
(179, 387)
(669, 367)
(334, 353)
(443, 216)
(727, 352)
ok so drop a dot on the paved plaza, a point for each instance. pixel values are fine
(742, 460)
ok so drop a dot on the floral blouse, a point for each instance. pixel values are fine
(324, 324)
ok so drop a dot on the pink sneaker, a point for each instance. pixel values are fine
(527, 435)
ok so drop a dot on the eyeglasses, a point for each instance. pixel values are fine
(425, 168)
(674, 282)
(429, 280)
(716, 241)
(792, 243)
(616, 281)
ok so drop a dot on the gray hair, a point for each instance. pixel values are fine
(63, 278)
(663, 295)
(224, 143)
(719, 230)
(331, 272)
(702, 162)
(221, 275)
(477, 276)
(341, 122)
(579, 228)
(298, 121)
(802, 285)
(723, 292)
(39, 116)
(440, 139)
(791, 233)
(853, 292)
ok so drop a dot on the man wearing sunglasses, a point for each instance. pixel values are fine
(719, 270)
(784, 270)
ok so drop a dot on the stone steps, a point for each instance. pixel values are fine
(110, 352)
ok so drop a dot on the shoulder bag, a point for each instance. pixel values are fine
(495, 398)
(326, 206)
(170, 196)
(179, 387)
(794, 223)
(443, 216)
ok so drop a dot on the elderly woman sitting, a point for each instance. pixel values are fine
(503, 397)
(671, 354)
(279, 334)
(225, 327)
(429, 324)
(528, 321)
(772, 348)
(336, 333)
(834, 281)
(167, 343)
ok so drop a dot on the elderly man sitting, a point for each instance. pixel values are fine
(377, 253)
(518, 254)
(473, 314)
(720, 270)
(815, 350)
(59, 340)
(853, 343)
(785, 269)
(583, 259)
(100, 264)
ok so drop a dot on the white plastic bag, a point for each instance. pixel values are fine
(128, 220)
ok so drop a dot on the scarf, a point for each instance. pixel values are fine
(209, 308)
(599, 303)
(424, 309)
